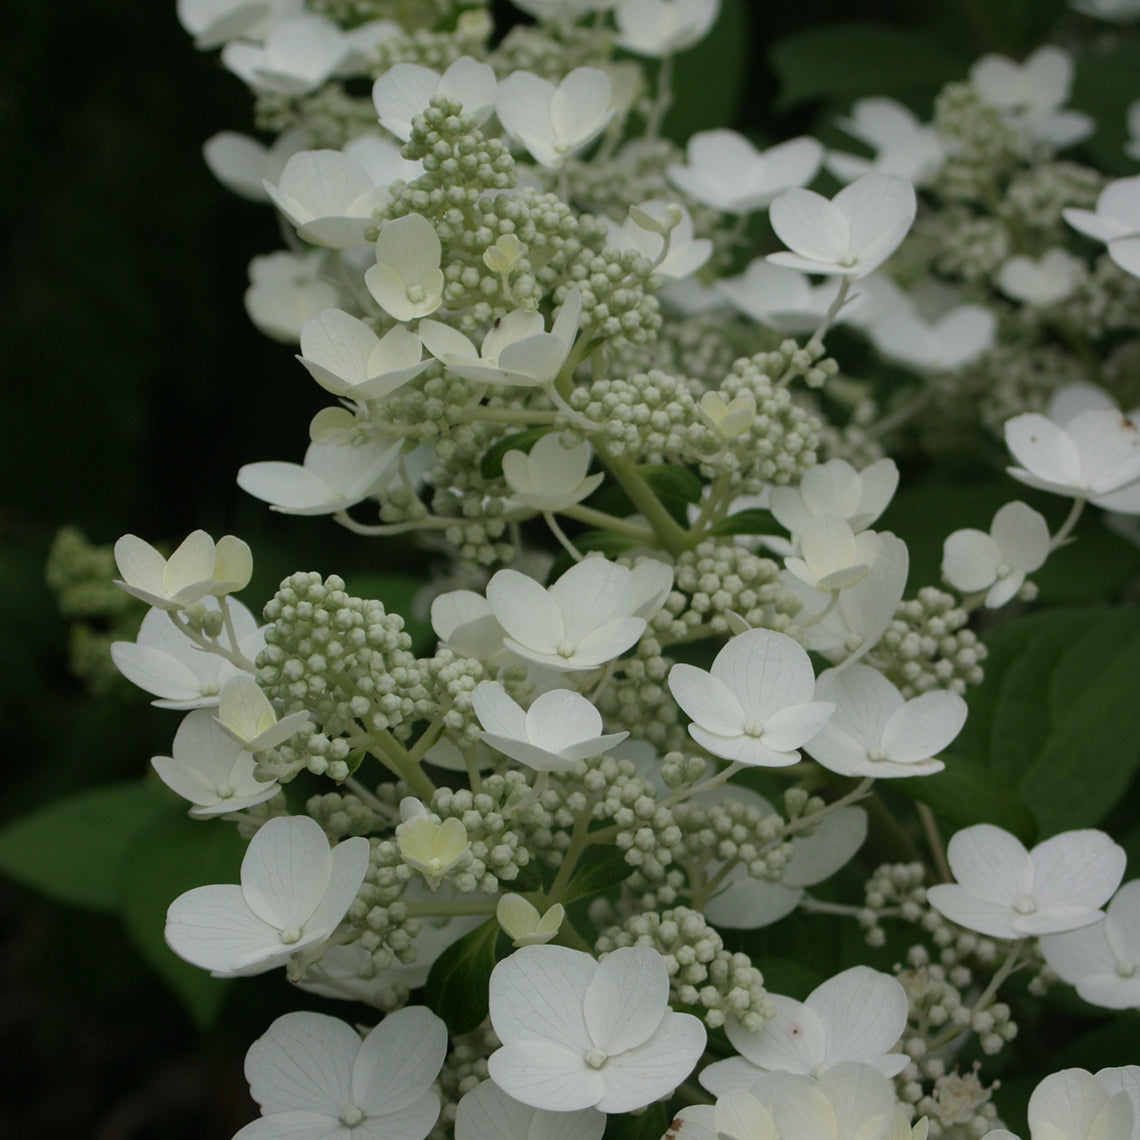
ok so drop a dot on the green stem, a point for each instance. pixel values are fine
(1062, 535)
(670, 534)
(522, 416)
(722, 777)
(560, 534)
(392, 754)
(663, 101)
(604, 521)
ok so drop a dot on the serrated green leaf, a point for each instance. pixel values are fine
(752, 521)
(491, 465)
(75, 850)
(173, 855)
(456, 987)
(964, 794)
(844, 61)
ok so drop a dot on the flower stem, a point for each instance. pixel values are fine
(1061, 537)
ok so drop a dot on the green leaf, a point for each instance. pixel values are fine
(491, 465)
(746, 522)
(709, 78)
(173, 855)
(456, 987)
(844, 61)
(75, 850)
(964, 794)
(599, 869)
(1105, 86)
(677, 487)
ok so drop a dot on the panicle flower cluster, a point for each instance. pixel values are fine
(703, 975)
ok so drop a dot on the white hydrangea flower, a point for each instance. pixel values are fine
(285, 290)
(298, 56)
(1047, 280)
(755, 704)
(724, 170)
(552, 122)
(516, 350)
(833, 555)
(328, 197)
(998, 562)
(213, 22)
(406, 89)
(658, 28)
(463, 621)
(1030, 94)
(582, 621)
(487, 1113)
(1004, 891)
(523, 923)
(1115, 221)
(560, 728)
(875, 732)
(406, 281)
(334, 477)
(782, 299)
(950, 342)
(852, 234)
(164, 662)
(314, 1077)
(247, 715)
(1074, 1105)
(431, 847)
(644, 232)
(243, 164)
(294, 891)
(905, 147)
(581, 1034)
(730, 418)
(858, 1015)
(746, 902)
(836, 490)
(348, 359)
(1102, 960)
(198, 568)
(550, 477)
(1094, 456)
(210, 769)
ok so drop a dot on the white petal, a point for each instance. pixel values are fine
(832, 845)
(212, 927)
(705, 700)
(402, 93)
(810, 226)
(864, 702)
(1076, 955)
(626, 999)
(591, 594)
(560, 718)
(972, 911)
(399, 1061)
(410, 246)
(498, 713)
(536, 995)
(546, 1075)
(794, 1041)
(1077, 869)
(526, 611)
(645, 1074)
(303, 1062)
(863, 1014)
(924, 727)
(970, 560)
(991, 863)
(793, 727)
(286, 871)
(1043, 449)
(879, 210)
(767, 671)
(349, 865)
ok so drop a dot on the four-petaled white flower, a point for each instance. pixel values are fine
(431, 847)
(1095, 456)
(329, 198)
(858, 1015)
(406, 281)
(833, 556)
(347, 358)
(294, 891)
(314, 1077)
(1102, 960)
(523, 923)
(582, 621)
(516, 350)
(1030, 94)
(285, 290)
(1045, 281)
(663, 27)
(998, 562)
(1074, 1105)
(247, 716)
(876, 732)
(199, 567)
(560, 728)
(1115, 221)
(644, 231)
(405, 90)
(724, 170)
(755, 705)
(836, 490)
(166, 663)
(1004, 891)
(850, 235)
(550, 477)
(580, 1034)
(487, 1113)
(334, 477)
(905, 147)
(211, 769)
(554, 123)
(783, 299)
(298, 56)
(952, 341)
